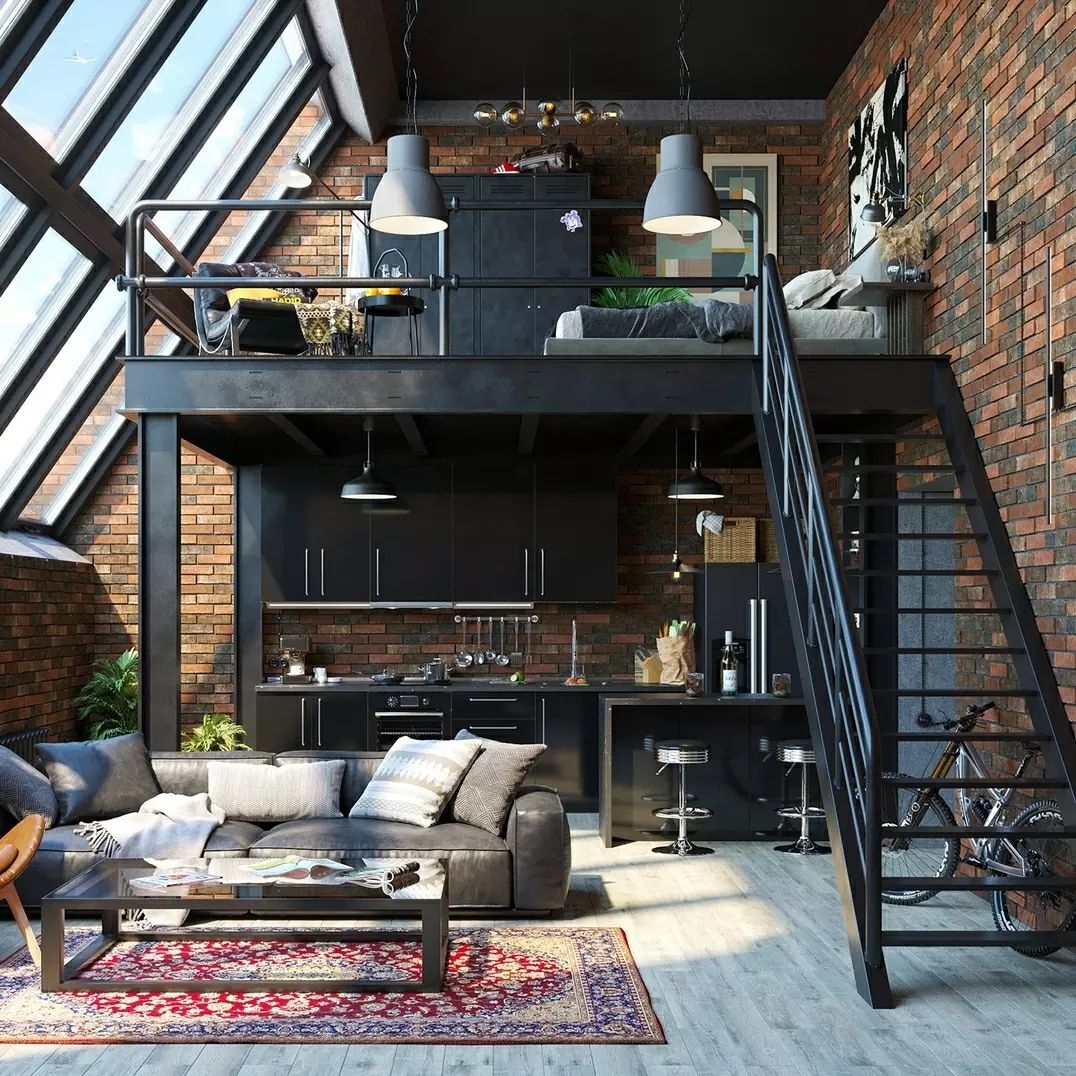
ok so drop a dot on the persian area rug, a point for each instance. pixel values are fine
(502, 986)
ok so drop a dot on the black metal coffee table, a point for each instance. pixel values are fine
(106, 888)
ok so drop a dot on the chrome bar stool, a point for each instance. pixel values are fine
(801, 753)
(682, 753)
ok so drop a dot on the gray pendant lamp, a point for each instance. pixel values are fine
(296, 173)
(369, 486)
(682, 200)
(407, 200)
(695, 486)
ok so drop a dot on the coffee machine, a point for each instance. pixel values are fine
(293, 651)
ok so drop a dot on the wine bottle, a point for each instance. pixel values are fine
(730, 668)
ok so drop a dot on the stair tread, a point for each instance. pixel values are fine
(957, 938)
(897, 884)
(957, 692)
(904, 781)
(923, 832)
(984, 737)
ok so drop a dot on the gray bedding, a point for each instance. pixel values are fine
(711, 321)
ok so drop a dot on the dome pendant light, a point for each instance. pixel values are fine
(695, 486)
(682, 200)
(368, 486)
(407, 200)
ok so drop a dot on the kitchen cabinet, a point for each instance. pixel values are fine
(292, 721)
(568, 725)
(493, 533)
(315, 545)
(576, 531)
(412, 552)
(497, 715)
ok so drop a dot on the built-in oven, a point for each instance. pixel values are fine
(422, 715)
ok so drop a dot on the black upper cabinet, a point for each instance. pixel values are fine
(576, 532)
(412, 553)
(493, 533)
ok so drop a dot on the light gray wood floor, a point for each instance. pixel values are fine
(744, 956)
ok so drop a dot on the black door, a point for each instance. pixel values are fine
(283, 722)
(780, 652)
(338, 722)
(506, 249)
(289, 535)
(344, 546)
(559, 252)
(493, 533)
(412, 552)
(729, 591)
(568, 725)
(576, 532)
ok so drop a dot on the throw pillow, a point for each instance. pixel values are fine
(490, 785)
(247, 792)
(97, 779)
(415, 780)
(24, 790)
(800, 290)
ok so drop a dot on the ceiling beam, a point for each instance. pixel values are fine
(742, 445)
(354, 41)
(528, 431)
(409, 428)
(643, 432)
(296, 433)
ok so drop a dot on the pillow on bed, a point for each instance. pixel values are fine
(800, 290)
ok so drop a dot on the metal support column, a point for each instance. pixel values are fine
(248, 595)
(158, 579)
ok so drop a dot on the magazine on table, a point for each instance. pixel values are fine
(167, 878)
(297, 870)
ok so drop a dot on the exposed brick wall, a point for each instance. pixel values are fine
(350, 642)
(1018, 55)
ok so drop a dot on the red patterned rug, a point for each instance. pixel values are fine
(502, 985)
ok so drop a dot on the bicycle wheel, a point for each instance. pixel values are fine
(1037, 857)
(934, 857)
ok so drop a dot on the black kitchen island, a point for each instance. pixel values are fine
(743, 783)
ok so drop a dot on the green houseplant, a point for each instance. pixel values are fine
(614, 264)
(109, 700)
(217, 732)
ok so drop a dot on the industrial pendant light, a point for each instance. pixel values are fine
(676, 567)
(368, 486)
(407, 200)
(682, 200)
(295, 173)
(695, 486)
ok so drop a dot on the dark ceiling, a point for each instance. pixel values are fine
(480, 49)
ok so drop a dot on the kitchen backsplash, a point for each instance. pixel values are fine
(365, 641)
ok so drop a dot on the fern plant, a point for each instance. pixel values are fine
(614, 264)
(109, 699)
(217, 732)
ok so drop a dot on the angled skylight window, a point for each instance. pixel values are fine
(37, 292)
(187, 80)
(84, 57)
(11, 210)
(10, 10)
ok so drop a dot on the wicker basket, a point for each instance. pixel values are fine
(736, 544)
(767, 542)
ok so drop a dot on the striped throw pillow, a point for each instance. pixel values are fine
(415, 780)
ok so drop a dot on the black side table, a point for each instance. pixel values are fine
(903, 304)
(393, 306)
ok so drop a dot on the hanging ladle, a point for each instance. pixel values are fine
(481, 657)
(502, 657)
(464, 659)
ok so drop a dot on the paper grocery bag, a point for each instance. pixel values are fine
(677, 658)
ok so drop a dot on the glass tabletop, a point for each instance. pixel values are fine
(141, 882)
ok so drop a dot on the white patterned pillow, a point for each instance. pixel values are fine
(415, 780)
(250, 792)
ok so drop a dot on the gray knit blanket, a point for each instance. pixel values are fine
(713, 321)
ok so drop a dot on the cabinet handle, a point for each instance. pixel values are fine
(323, 572)
(319, 721)
(543, 721)
(377, 572)
(306, 572)
(541, 563)
(487, 699)
(492, 728)
(302, 722)
(752, 644)
(526, 571)
(763, 678)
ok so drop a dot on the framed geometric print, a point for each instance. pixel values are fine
(728, 250)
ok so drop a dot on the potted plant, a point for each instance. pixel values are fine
(217, 732)
(109, 700)
(614, 264)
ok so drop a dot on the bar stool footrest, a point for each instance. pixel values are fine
(688, 813)
(800, 812)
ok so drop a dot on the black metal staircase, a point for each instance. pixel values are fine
(831, 601)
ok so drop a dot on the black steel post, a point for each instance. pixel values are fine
(248, 596)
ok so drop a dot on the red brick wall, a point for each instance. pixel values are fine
(1018, 55)
(351, 642)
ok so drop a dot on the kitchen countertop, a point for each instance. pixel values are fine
(463, 684)
(703, 700)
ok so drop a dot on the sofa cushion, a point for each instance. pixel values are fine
(359, 768)
(479, 863)
(25, 790)
(232, 839)
(187, 772)
(490, 785)
(258, 793)
(415, 780)
(97, 779)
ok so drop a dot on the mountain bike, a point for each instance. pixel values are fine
(1014, 857)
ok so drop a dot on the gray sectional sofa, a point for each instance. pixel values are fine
(526, 869)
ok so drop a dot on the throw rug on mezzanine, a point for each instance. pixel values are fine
(502, 986)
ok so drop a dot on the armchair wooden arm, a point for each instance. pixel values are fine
(17, 848)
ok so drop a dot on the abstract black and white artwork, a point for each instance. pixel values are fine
(878, 157)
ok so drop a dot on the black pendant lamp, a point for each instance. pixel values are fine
(695, 486)
(676, 567)
(368, 486)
